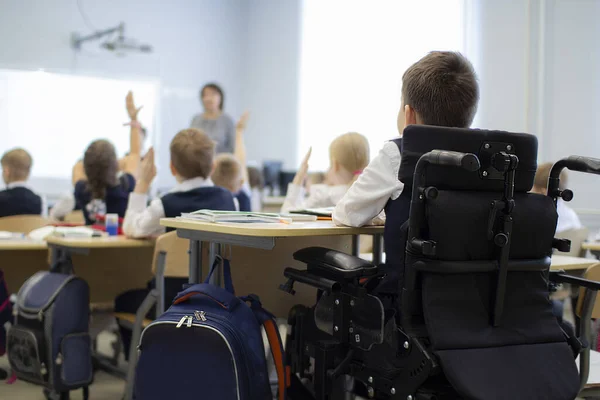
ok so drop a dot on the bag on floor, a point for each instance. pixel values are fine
(49, 343)
(209, 345)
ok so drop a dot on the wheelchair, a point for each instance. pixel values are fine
(470, 315)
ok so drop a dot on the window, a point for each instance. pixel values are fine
(353, 56)
(56, 116)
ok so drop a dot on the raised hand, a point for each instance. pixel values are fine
(241, 124)
(146, 173)
(302, 170)
(130, 105)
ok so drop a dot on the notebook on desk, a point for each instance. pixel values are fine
(321, 213)
(245, 217)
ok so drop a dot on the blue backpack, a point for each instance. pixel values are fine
(49, 343)
(209, 344)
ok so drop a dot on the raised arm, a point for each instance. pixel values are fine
(239, 149)
(131, 161)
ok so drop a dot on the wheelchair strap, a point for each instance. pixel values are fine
(267, 320)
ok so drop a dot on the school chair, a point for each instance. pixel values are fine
(170, 260)
(577, 238)
(22, 223)
(75, 217)
(591, 390)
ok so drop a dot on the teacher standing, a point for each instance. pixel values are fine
(214, 122)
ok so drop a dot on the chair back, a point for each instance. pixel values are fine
(75, 217)
(176, 251)
(577, 237)
(592, 274)
(22, 223)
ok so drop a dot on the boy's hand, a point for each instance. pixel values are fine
(303, 170)
(241, 124)
(130, 105)
(147, 173)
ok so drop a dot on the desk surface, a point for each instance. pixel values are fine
(594, 246)
(318, 228)
(569, 263)
(99, 242)
(22, 244)
(273, 200)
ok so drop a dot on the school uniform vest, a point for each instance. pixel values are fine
(244, 201)
(394, 237)
(19, 201)
(207, 198)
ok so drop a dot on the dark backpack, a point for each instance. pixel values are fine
(209, 344)
(49, 344)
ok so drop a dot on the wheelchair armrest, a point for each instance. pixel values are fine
(334, 264)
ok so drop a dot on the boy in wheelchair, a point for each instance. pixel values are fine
(462, 309)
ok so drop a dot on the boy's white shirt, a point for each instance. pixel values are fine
(24, 184)
(567, 218)
(142, 221)
(367, 197)
(320, 195)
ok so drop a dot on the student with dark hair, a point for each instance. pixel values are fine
(440, 89)
(214, 122)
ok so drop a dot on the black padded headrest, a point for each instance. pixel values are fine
(420, 139)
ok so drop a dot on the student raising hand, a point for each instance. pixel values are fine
(147, 173)
(303, 170)
(241, 124)
(132, 111)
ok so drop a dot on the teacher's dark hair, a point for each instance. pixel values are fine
(217, 89)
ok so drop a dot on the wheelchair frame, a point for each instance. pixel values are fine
(340, 354)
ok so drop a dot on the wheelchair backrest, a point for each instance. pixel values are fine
(455, 229)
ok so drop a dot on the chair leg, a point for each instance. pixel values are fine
(149, 301)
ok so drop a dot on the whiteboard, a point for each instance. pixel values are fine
(56, 116)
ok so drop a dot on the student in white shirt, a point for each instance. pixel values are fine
(567, 218)
(348, 156)
(439, 89)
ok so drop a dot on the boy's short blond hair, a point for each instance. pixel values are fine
(228, 172)
(19, 163)
(192, 153)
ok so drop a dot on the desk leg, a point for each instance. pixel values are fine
(355, 245)
(195, 267)
(377, 249)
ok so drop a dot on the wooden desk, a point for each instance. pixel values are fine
(20, 259)
(569, 263)
(111, 265)
(24, 244)
(257, 271)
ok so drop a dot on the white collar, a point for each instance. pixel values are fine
(190, 184)
(17, 184)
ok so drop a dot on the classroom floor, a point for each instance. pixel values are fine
(105, 387)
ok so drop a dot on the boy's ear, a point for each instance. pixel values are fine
(410, 116)
(172, 167)
(336, 166)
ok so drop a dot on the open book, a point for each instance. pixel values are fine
(234, 216)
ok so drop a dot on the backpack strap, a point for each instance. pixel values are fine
(267, 320)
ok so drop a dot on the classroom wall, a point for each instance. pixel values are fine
(270, 87)
(194, 41)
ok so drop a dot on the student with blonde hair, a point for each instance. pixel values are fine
(18, 198)
(348, 156)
